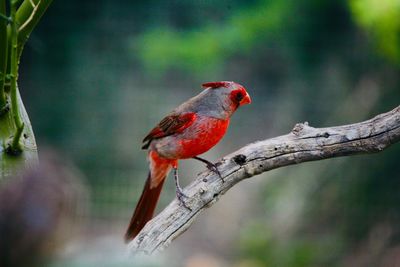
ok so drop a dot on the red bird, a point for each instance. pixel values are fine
(188, 131)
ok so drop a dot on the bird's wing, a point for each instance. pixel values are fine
(170, 125)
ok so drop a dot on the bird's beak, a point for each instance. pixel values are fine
(246, 100)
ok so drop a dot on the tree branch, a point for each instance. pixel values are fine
(304, 143)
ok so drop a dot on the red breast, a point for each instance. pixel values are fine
(207, 134)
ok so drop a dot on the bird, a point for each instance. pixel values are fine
(189, 130)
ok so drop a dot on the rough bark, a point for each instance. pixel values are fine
(304, 143)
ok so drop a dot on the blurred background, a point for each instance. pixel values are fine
(96, 76)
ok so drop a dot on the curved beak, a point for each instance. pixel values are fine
(246, 100)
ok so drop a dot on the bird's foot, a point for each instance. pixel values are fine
(180, 196)
(179, 192)
(211, 166)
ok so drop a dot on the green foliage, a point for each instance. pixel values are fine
(206, 48)
(380, 18)
(258, 244)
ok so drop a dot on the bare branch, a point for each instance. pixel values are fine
(304, 143)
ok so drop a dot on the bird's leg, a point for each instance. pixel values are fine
(179, 192)
(211, 166)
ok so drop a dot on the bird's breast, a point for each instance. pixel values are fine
(201, 136)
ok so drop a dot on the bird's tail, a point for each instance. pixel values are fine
(159, 169)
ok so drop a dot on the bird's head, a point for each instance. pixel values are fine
(236, 93)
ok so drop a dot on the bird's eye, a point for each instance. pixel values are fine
(239, 96)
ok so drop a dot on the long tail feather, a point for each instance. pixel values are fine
(144, 209)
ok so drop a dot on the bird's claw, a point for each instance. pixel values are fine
(212, 167)
(180, 196)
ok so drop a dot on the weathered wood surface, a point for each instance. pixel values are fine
(304, 143)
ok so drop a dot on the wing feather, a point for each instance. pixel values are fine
(170, 125)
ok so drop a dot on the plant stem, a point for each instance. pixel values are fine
(15, 145)
(3, 55)
(29, 16)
